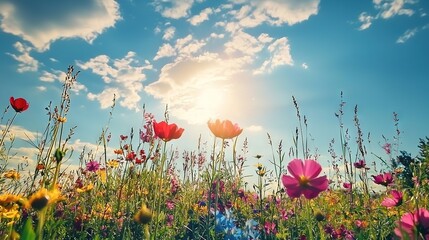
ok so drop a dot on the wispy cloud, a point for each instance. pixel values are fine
(203, 16)
(184, 47)
(19, 132)
(304, 65)
(275, 12)
(173, 8)
(46, 22)
(122, 77)
(169, 33)
(407, 35)
(255, 128)
(280, 55)
(26, 62)
(386, 9)
(56, 75)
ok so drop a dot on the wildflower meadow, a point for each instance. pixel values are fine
(148, 189)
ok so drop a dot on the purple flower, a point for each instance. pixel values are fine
(92, 166)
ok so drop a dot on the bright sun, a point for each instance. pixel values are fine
(210, 103)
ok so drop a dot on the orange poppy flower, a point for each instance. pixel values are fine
(224, 129)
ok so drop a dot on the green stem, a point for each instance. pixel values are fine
(158, 187)
(42, 216)
(146, 231)
(7, 129)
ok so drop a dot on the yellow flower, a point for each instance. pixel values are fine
(42, 198)
(144, 215)
(113, 163)
(200, 208)
(9, 212)
(62, 119)
(86, 188)
(102, 175)
(261, 170)
(12, 174)
(6, 199)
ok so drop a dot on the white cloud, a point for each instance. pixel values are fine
(19, 132)
(45, 22)
(215, 35)
(304, 65)
(26, 62)
(280, 55)
(42, 88)
(166, 50)
(203, 16)
(407, 35)
(254, 128)
(123, 77)
(173, 8)
(366, 20)
(391, 8)
(276, 12)
(197, 88)
(60, 76)
(265, 38)
(48, 77)
(243, 43)
(169, 33)
(386, 9)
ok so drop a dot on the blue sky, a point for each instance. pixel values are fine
(240, 60)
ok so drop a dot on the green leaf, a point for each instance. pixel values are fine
(28, 231)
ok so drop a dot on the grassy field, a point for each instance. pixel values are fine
(144, 189)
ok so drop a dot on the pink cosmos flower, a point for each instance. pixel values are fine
(304, 179)
(387, 147)
(414, 225)
(394, 201)
(384, 179)
(361, 164)
(347, 185)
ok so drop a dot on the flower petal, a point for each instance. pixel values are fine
(296, 168)
(311, 168)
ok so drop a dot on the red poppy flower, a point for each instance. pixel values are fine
(19, 104)
(224, 129)
(305, 179)
(167, 131)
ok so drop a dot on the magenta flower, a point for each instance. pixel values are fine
(394, 201)
(414, 225)
(361, 164)
(92, 166)
(348, 186)
(387, 147)
(270, 228)
(304, 179)
(384, 179)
